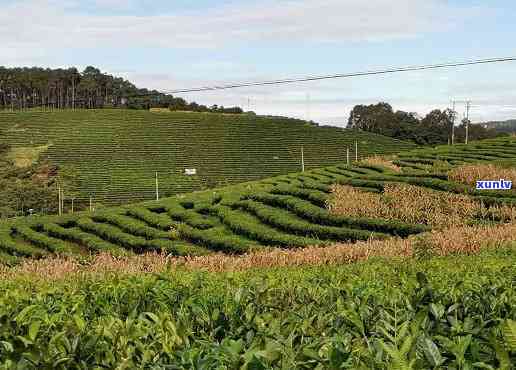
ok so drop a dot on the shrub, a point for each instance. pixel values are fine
(176, 248)
(15, 248)
(132, 226)
(189, 216)
(42, 240)
(214, 239)
(284, 220)
(314, 196)
(317, 215)
(8, 259)
(76, 235)
(245, 224)
(159, 221)
(113, 234)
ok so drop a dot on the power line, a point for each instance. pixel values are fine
(343, 75)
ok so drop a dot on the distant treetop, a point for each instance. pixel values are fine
(26, 88)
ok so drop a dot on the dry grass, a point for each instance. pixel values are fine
(470, 174)
(471, 239)
(406, 203)
(381, 161)
(26, 156)
(465, 239)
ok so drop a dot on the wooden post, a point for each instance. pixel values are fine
(302, 160)
(356, 151)
(72, 204)
(453, 125)
(58, 199)
(91, 204)
(73, 93)
(157, 187)
(468, 106)
(347, 156)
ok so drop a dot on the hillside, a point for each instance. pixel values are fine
(116, 153)
(501, 126)
(284, 211)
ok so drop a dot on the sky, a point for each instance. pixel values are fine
(175, 44)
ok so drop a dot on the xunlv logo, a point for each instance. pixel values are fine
(497, 184)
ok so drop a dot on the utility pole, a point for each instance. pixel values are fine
(157, 188)
(73, 93)
(453, 123)
(302, 160)
(356, 151)
(58, 199)
(468, 106)
(347, 156)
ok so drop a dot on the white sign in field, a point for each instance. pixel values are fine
(190, 171)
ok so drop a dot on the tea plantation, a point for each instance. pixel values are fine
(285, 211)
(116, 153)
(440, 313)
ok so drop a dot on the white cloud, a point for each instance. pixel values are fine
(47, 24)
(33, 31)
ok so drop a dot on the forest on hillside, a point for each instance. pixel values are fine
(26, 88)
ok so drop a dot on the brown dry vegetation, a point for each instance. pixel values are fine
(381, 161)
(406, 203)
(465, 239)
(26, 156)
(470, 174)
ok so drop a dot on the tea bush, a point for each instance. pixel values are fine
(433, 313)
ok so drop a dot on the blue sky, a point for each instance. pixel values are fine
(179, 44)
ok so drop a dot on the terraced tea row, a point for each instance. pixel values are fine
(502, 150)
(116, 153)
(285, 211)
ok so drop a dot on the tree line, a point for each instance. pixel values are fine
(27, 88)
(437, 127)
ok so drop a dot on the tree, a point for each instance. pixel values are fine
(437, 126)
(373, 118)
(24, 88)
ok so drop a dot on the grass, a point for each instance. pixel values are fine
(406, 203)
(469, 174)
(26, 156)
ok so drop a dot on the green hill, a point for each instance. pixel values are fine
(116, 153)
(508, 126)
(283, 211)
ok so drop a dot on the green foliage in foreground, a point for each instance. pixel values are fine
(438, 313)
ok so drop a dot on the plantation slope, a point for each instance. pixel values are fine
(285, 211)
(116, 153)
